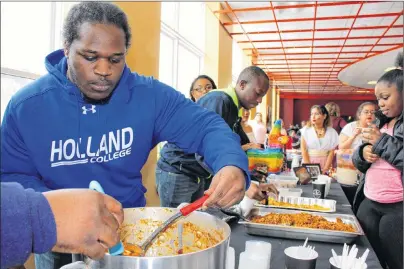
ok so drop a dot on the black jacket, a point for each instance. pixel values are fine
(389, 148)
(175, 160)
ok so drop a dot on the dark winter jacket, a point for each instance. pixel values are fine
(389, 148)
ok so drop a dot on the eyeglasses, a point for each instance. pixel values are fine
(205, 89)
(367, 112)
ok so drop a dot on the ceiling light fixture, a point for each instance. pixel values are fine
(372, 82)
(390, 68)
(298, 50)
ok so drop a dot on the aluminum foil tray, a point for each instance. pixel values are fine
(291, 232)
(330, 204)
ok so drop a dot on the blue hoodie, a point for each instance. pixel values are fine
(53, 139)
(27, 224)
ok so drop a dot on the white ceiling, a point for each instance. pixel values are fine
(304, 45)
(370, 69)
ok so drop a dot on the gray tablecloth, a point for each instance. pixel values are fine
(239, 237)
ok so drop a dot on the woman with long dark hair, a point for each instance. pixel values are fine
(319, 140)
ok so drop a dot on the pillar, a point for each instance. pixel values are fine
(278, 103)
(273, 103)
(143, 57)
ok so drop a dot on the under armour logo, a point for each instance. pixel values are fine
(85, 110)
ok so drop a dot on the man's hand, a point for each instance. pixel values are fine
(87, 221)
(227, 187)
(371, 134)
(368, 155)
(256, 191)
(248, 146)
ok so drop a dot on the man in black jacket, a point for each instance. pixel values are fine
(251, 87)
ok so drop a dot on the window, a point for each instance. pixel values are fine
(182, 43)
(166, 65)
(25, 45)
(188, 69)
(10, 84)
(29, 32)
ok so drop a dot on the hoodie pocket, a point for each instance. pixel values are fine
(136, 197)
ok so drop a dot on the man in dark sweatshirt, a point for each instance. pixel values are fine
(38, 222)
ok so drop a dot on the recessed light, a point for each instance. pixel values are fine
(372, 82)
(298, 50)
(390, 68)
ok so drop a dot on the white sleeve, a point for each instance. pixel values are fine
(334, 138)
(348, 129)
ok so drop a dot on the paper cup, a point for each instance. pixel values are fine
(327, 181)
(298, 258)
(319, 190)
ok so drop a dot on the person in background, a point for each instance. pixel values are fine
(351, 138)
(252, 85)
(303, 128)
(37, 222)
(318, 140)
(295, 135)
(378, 202)
(90, 117)
(248, 130)
(335, 114)
(283, 130)
(269, 122)
(201, 86)
(303, 124)
(259, 128)
(351, 135)
(179, 176)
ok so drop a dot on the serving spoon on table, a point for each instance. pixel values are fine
(140, 250)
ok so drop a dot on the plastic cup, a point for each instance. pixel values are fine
(251, 260)
(231, 258)
(259, 247)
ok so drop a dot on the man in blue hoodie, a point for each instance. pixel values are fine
(92, 118)
(36, 222)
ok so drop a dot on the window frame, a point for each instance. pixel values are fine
(180, 40)
(56, 18)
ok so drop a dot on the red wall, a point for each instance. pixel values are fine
(294, 111)
(287, 111)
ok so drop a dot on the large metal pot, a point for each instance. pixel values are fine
(210, 258)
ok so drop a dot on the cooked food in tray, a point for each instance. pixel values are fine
(194, 238)
(304, 220)
(273, 202)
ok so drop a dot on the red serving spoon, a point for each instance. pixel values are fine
(185, 211)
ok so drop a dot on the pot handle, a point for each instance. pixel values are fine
(194, 206)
